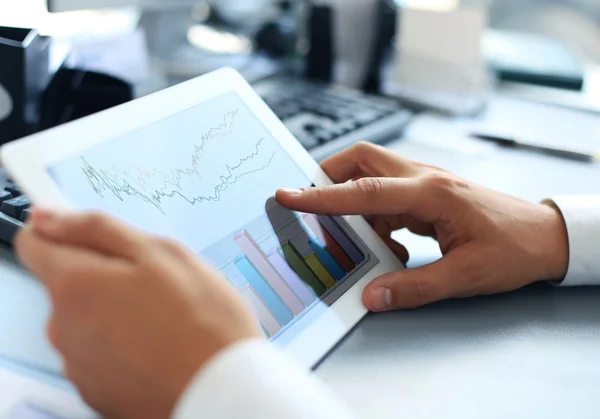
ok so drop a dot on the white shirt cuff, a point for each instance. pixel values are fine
(582, 218)
(254, 380)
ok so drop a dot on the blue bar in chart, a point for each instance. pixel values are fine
(264, 290)
(327, 259)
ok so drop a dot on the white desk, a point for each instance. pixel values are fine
(531, 354)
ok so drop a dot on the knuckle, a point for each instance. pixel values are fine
(442, 182)
(173, 247)
(411, 293)
(320, 194)
(438, 180)
(84, 224)
(363, 147)
(370, 187)
(421, 290)
(320, 197)
(94, 219)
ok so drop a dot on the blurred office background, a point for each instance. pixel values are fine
(575, 21)
(450, 62)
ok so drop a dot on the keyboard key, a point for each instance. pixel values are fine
(5, 196)
(324, 136)
(311, 127)
(366, 117)
(347, 125)
(8, 228)
(14, 190)
(337, 130)
(25, 215)
(15, 206)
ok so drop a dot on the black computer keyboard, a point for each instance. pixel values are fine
(327, 118)
(14, 208)
(324, 118)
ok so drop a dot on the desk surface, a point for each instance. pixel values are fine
(530, 354)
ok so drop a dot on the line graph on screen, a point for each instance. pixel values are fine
(154, 186)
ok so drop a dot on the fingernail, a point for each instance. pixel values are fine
(291, 192)
(381, 298)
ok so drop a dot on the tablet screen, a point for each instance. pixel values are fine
(206, 177)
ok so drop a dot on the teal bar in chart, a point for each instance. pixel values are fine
(327, 259)
(281, 312)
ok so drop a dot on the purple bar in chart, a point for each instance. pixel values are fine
(303, 291)
(343, 240)
(258, 258)
(260, 310)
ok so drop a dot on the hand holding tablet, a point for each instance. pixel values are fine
(199, 164)
(491, 242)
(158, 313)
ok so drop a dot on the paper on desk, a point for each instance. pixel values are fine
(22, 397)
(538, 123)
(443, 133)
(513, 118)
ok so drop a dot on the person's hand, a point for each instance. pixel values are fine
(134, 316)
(491, 242)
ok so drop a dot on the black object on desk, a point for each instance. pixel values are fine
(24, 75)
(533, 59)
(73, 94)
(320, 58)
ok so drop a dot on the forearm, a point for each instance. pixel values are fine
(255, 381)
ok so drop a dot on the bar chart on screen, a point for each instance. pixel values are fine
(284, 263)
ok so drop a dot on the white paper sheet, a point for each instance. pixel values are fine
(439, 61)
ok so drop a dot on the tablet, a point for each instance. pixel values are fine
(200, 163)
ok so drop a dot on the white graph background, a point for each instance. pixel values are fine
(194, 177)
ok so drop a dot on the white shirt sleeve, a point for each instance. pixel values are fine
(253, 380)
(582, 218)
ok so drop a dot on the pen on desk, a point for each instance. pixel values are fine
(588, 157)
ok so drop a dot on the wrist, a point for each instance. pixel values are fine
(555, 244)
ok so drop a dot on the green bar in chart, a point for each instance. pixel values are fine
(298, 264)
(320, 270)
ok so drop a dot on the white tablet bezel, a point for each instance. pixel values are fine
(27, 160)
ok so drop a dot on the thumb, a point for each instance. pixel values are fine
(411, 288)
